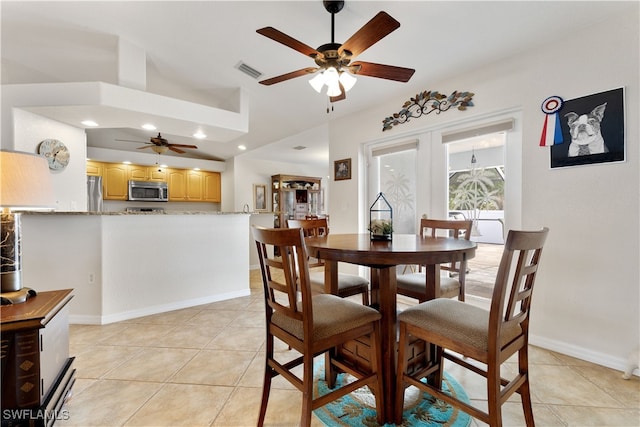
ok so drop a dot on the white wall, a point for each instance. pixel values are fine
(248, 171)
(587, 293)
(69, 184)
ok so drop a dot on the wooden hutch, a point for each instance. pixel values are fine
(295, 197)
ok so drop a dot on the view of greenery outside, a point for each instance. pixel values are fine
(477, 189)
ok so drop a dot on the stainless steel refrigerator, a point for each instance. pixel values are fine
(94, 193)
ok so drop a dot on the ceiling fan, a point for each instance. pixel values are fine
(160, 145)
(334, 59)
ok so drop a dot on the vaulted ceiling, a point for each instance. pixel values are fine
(193, 48)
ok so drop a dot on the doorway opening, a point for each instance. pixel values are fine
(476, 191)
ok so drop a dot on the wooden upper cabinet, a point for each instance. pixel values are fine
(195, 185)
(155, 173)
(115, 178)
(184, 184)
(94, 168)
(138, 173)
(212, 187)
(177, 182)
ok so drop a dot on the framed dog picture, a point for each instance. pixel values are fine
(342, 169)
(592, 130)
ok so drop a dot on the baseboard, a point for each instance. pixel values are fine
(147, 311)
(607, 360)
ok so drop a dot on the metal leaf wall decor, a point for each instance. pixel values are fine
(427, 102)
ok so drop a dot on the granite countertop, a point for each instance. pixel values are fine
(120, 213)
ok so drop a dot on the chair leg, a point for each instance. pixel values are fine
(400, 372)
(376, 355)
(365, 296)
(266, 385)
(525, 391)
(307, 390)
(493, 395)
(438, 374)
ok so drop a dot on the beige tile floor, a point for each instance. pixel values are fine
(202, 366)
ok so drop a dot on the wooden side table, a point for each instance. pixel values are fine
(37, 373)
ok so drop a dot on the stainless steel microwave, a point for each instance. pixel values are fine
(148, 191)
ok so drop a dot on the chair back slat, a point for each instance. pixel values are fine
(514, 282)
(456, 228)
(284, 275)
(453, 227)
(311, 228)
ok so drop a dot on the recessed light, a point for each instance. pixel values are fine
(164, 166)
(196, 169)
(242, 147)
(89, 123)
(148, 126)
(199, 135)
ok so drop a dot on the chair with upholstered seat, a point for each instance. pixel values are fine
(348, 284)
(312, 325)
(452, 280)
(457, 331)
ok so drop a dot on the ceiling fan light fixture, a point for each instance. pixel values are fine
(347, 80)
(333, 89)
(160, 149)
(317, 82)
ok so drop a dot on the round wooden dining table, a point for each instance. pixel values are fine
(383, 257)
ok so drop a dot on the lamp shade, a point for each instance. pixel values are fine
(25, 181)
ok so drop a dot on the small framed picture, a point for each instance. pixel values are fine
(259, 197)
(593, 130)
(342, 169)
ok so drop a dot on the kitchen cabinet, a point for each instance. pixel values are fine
(94, 168)
(137, 172)
(177, 182)
(147, 173)
(295, 197)
(212, 187)
(195, 185)
(185, 185)
(115, 180)
(37, 372)
(157, 174)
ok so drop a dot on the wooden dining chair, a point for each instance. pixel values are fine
(452, 280)
(314, 325)
(489, 337)
(348, 284)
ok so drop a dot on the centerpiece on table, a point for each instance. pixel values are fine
(381, 219)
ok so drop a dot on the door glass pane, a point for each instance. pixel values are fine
(397, 180)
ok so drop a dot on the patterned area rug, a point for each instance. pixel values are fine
(358, 408)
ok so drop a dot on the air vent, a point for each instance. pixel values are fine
(250, 71)
(299, 147)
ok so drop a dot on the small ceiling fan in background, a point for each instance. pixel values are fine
(160, 145)
(334, 59)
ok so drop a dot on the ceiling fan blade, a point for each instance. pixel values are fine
(373, 31)
(173, 148)
(291, 75)
(288, 41)
(183, 145)
(389, 72)
(142, 148)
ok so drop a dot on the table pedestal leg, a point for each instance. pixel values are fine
(387, 305)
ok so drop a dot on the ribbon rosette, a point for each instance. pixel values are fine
(551, 131)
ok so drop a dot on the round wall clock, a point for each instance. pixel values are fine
(56, 153)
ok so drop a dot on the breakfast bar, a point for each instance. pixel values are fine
(124, 265)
